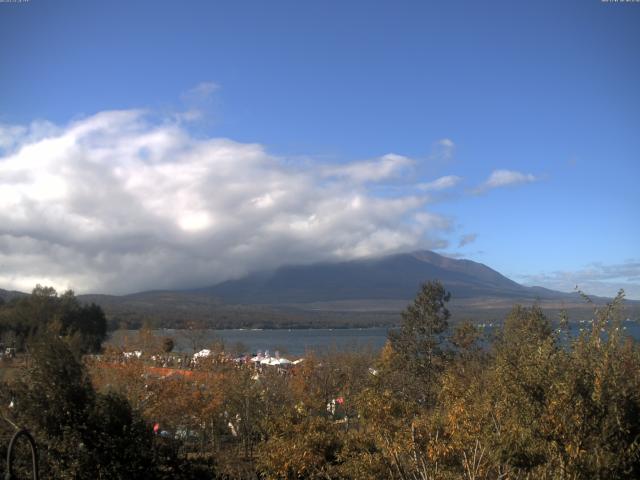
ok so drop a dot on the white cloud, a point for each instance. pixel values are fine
(121, 202)
(388, 166)
(12, 136)
(446, 143)
(9, 135)
(504, 178)
(442, 183)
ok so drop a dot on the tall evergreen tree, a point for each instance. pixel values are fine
(416, 344)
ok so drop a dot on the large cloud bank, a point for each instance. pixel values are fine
(121, 202)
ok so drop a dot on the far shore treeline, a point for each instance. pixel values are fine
(44, 312)
(439, 401)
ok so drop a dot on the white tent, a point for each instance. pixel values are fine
(202, 353)
(274, 361)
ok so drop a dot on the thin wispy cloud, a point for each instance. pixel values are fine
(433, 221)
(442, 151)
(201, 92)
(442, 183)
(465, 255)
(383, 168)
(197, 101)
(191, 115)
(595, 279)
(505, 178)
(123, 201)
(467, 239)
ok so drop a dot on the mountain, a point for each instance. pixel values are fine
(6, 295)
(356, 293)
(393, 277)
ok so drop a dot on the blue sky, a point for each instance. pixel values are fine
(530, 109)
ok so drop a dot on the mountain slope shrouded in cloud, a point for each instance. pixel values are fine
(392, 277)
(364, 292)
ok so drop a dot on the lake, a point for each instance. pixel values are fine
(293, 342)
(296, 342)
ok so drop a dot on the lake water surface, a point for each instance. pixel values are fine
(296, 342)
(293, 342)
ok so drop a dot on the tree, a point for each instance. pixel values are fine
(83, 326)
(194, 335)
(86, 325)
(82, 434)
(417, 342)
(167, 344)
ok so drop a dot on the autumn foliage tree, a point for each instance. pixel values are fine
(81, 433)
(531, 400)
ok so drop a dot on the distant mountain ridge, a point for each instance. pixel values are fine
(384, 278)
(10, 294)
(359, 293)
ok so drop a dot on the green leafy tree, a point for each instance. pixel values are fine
(83, 326)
